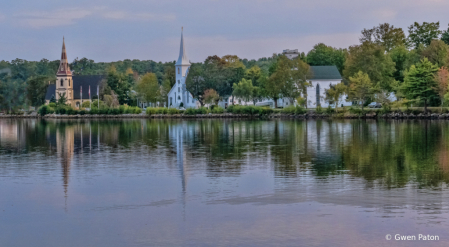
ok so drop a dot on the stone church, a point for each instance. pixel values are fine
(75, 88)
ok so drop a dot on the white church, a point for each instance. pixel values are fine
(178, 96)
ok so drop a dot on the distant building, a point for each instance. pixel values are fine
(291, 53)
(75, 88)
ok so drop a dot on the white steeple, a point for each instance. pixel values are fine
(182, 60)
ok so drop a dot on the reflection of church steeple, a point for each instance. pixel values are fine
(65, 147)
(178, 136)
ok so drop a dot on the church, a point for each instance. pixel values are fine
(77, 89)
(178, 96)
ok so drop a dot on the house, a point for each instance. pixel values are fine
(76, 89)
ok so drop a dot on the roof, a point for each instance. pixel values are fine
(85, 81)
(182, 60)
(325, 73)
(79, 81)
(51, 92)
(64, 64)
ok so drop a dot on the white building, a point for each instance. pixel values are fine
(178, 95)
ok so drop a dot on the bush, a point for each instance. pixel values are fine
(319, 110)
(151, 111)
(71, 111)
(137, 110)
(44, 110)
(93, 111)
(218, 110)
(52, 105)
(190, 111)
(294, 110)
(235, 109)
(113, 111)
(122, 109)
(60, 110)
(162, 110)
(330, 110)
(300, 110)
(173, 111)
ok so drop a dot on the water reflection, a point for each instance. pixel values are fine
(393, 169)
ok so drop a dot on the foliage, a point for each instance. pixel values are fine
(423, 33)
(442, 80)
(371, 59)
(445, 36)
(173, 111)
(294, 110)
(245, 90)
(419, 82)
(335, 92)
(399, 55)
(62, 99)
(196, 84)
(148, 88)
(437, 53)
(319, 110)
(251, 110)
(322, 54)
(385, 35)
(36, 90)
(211, 96)
(360, 87)
(120, 84)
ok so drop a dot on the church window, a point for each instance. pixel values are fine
(69, 82)
(171, 101)
(179, 89)
(179, 98)
(62, 82)
(179, 71)
(179, 82)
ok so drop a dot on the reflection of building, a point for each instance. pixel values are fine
(65, 148)
(13, 134)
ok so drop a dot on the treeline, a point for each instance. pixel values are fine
(412, 67)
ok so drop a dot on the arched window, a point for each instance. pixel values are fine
(62, 82)
(318, 103)
(179, 89)
(69, 82)
(171, 101)
(179, 97)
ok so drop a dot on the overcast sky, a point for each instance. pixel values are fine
(111, 30)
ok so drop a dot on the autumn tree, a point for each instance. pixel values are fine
(442, 80)
(419, 82)
(423, 33)
(385, 35)
(211, 96)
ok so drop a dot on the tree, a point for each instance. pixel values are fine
(245, 90)
(36, 90)
(445, 36)
(62, 99)
(437, 53)
(399, 55)
(419, 82)
(232, 61)
(360, 87)
(442, 80)
(322, 54)
(423, 34)
(385, 35)
(148, 88)
(211, 96)
(371, 59)
(253, 74)
(335, 92)
(195, 82)
(121, 84)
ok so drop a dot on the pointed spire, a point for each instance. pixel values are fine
(182, 60)
(63, 64)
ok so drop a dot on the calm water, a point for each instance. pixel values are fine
(223, 182)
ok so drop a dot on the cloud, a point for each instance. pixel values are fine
(64, 17)
(61, 17)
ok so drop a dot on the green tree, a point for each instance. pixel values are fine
(211, 96)
(437, 53)
(62, 100)
(244, 90)
(121, 84)
(423, 33)
(322, 54)
(445, 36)
(148, 88)
(399, 55)
(36, 90)
(281, 83)
(196, 83)
(371, 59)
(360, 87)
(419, 82)
(335, 92)
(385, 35)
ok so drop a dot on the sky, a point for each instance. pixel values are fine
(112, 30)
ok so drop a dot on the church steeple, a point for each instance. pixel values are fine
(64, 64)
(182, 60)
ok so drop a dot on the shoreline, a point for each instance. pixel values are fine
(442, 116)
